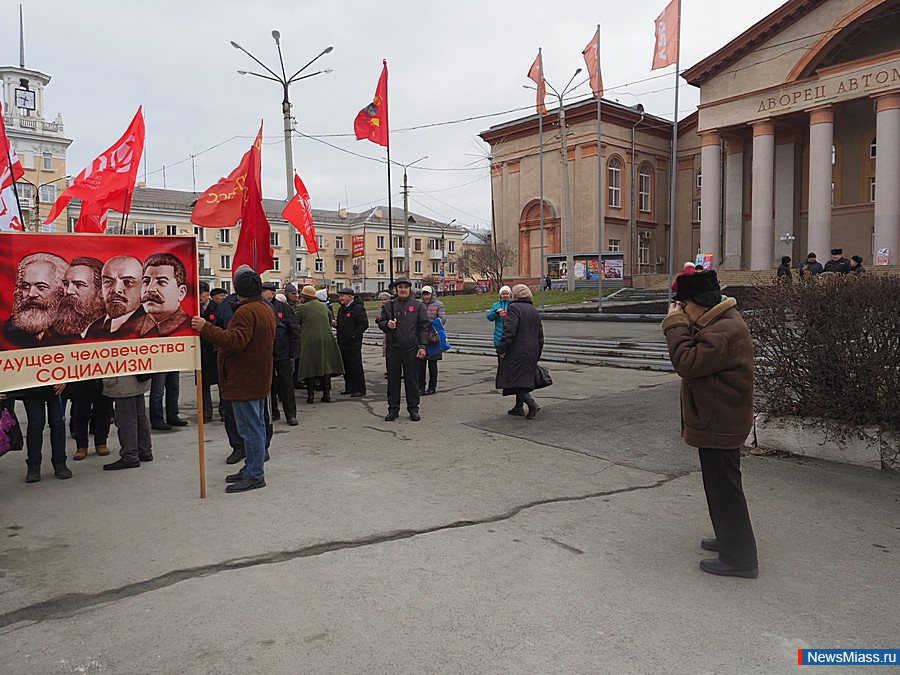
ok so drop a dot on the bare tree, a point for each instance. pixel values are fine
(486, 261)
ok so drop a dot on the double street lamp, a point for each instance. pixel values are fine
(567, 201)
(36, 212)
(285, 83)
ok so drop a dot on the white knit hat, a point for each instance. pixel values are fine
(427, 289)
(322, 294)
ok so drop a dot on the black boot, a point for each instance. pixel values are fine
(326, 396)
(311, 391)
(60, 470)
(34, 473)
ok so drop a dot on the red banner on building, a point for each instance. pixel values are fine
(358, 242)
(122, 306)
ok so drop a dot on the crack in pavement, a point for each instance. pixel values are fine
(69, 604)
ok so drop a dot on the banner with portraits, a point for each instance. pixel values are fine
(82, 306)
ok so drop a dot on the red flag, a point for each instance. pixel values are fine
(299, 214)
(220, 205)
(591, 53)
(109, 180)
(372, 121)
(10, 171)
(254, 247)
(536, 74)
(92, 218)
(665, 52)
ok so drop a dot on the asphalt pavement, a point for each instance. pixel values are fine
(471, 542)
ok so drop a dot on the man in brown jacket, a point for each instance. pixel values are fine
(711, 349)
(245, 372)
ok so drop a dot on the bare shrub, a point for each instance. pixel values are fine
(829, 348)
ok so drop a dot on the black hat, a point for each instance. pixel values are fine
(402, 280)
(837, 251)
(346, 290)
(857, 259)
(270, 286)
(785, 260)
(204, 287)
(290, 288)
(696, 286)
(811, 255)
(218, 291)
(247, 283)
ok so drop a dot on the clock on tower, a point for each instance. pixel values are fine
(25, 99)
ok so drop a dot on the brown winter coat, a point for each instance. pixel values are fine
(245, 351)
(715, 361)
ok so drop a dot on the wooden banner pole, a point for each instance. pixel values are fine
(198, 376)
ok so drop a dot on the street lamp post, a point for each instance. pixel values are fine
(567, 201)
(36, 217)
(444, 257)
(406, 211)
(285, 83)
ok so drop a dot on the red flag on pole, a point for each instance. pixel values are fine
(254, 246)
(10, 171)
(220, 205)
(591, 53)
(109, 180)
(536, 74)
(372, 121)
(665, 51)
(299, 214)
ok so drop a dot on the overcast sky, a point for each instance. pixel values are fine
(447, 61)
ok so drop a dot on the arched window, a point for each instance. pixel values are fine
(615, 183)
(872, 147)
(699, 176)
(644, 189)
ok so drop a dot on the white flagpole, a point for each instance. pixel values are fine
(674, 169)
(599, 184)
(541, 171)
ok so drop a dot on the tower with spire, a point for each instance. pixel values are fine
(40, 142)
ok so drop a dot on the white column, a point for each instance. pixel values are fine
(785, 149)
(734, 202)
(887, 176)
(711, 196)
(821, 141)
(761, 256)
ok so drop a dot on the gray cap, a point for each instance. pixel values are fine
(290, 288)
(270, 286)
(384, 295)
(346, 290)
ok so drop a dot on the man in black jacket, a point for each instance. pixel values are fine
(838, 263)
(287, 348)
(352, 322)
(404, 321)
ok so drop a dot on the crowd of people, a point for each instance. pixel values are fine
(811, 267)
(258, 347)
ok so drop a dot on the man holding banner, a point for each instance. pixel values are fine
(245, 372)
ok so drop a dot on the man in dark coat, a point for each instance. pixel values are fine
(208, 367)
(352, 323)
(811, 266)
(838, 263)
(784, 270)
(856, 265)
(287, 348)
(404, 321)
(711, 349)
(519, 350)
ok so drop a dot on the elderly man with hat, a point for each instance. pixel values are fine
(352, 323)
(711, 349)
(245, 372)
(320, 358)
(404, 321)
(287, 348)
(838, 263)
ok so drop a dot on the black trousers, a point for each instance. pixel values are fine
(354, 375)
(283, 388)
(235, 440)
(432, 367)
(97, 408)
(164, 385)
(402, 364)
(728, 507)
